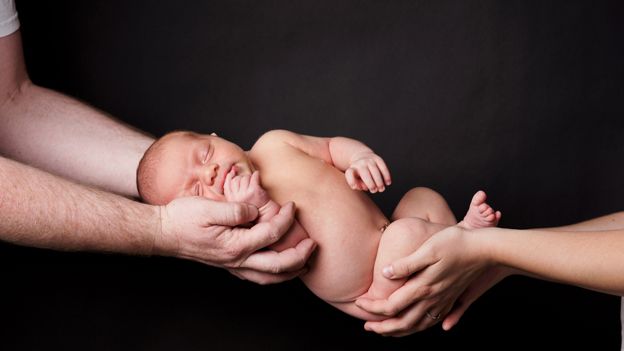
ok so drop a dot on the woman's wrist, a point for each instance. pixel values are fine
(484, 241)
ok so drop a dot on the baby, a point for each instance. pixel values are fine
(355, 240)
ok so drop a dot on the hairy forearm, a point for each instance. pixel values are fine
(342, 151)
(42, 210)
(66, 137)
(592, 260)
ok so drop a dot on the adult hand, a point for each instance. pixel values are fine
(203, 230)
(449, 271)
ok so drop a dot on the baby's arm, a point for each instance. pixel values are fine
(364, 170)
(247, 188)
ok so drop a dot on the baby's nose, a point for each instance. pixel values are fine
(210, 173)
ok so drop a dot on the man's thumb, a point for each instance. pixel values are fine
(233, 213)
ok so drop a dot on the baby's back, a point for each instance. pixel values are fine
(345, 223)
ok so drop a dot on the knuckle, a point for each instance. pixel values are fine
(275, 269)
(238, 213)
(389, 311)
(424, 291)
(393, 310)
(274, 234)
(402, 326)
(233, 255)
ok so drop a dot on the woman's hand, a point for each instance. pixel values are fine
(449, 271)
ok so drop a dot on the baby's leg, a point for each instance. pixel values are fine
(480, 214)
(400, 239)
(426, 204)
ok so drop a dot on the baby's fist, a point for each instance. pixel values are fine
(368, 172)
(245, 188)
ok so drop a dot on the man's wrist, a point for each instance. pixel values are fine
(164, 242)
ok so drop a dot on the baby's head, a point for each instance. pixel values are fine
(188, 164)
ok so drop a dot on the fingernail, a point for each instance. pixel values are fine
(388, 271)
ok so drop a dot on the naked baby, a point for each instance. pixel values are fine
(326, 178)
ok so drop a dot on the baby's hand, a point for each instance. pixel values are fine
(245, 188)
(368, 172)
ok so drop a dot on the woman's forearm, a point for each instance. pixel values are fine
(593, 260)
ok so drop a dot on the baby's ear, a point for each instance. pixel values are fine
(213, 134)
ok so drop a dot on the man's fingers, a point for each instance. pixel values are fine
(264, 234)
(228, 213)
(265, 278)
(289, 260)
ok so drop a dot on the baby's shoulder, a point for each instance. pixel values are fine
(275, 138)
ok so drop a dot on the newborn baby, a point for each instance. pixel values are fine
(325, 177)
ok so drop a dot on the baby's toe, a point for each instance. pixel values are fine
(488, 212)
(483, 207)
(478, 198)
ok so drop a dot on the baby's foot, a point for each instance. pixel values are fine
(480, 214)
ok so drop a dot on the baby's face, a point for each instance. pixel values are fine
(196, 165)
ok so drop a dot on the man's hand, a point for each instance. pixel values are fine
(202, 230)
(367, 172)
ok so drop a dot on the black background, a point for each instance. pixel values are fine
(520, 98)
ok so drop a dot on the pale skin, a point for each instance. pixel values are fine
(326, 177)
(449, 279)
(67, 174)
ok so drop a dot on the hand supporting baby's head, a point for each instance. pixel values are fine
(184, 163)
